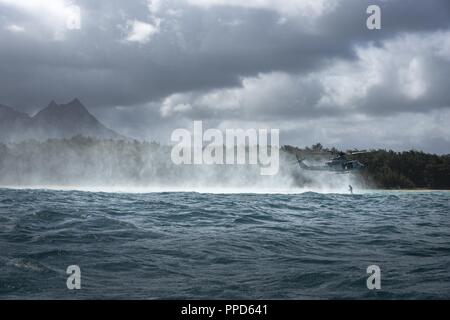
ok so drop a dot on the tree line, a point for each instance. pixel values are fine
(388, 169)
(82, 159)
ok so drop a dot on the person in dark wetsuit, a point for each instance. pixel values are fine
(350, 188)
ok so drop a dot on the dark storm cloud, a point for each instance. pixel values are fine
(195, 49)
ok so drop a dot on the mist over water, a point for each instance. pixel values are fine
(135, 167)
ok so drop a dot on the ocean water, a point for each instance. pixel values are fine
(197, 245)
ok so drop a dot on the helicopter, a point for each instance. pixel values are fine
(338, 164)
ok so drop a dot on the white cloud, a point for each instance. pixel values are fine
(47, 9)
(50, 6)
(401, 67)
(54, 15)
(412, 79)
(429, 132)
(15, 28)
(142, 32)
(169, 108)
(154, 6)
(259, 97)
(306, 8)
(398, 73)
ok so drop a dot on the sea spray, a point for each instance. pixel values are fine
(85, 163)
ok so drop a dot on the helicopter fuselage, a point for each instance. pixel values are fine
(339, 164)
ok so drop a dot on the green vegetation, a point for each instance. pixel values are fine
(395, 170)
(406, 170)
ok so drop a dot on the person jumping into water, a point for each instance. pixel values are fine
(350, 188)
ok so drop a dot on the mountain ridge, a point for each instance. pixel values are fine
(56, 121)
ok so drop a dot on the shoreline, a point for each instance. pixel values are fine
(209, 190)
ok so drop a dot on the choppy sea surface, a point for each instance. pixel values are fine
(233, 246)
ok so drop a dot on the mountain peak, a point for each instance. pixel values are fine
(75, 101)
(71, 112)
(53, 104)
(75, 104)
(55, 121)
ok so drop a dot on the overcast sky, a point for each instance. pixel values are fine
(308, 67)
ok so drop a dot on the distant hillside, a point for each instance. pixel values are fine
(53, 122)
(13, 124)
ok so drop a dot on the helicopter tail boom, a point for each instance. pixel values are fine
(302, 165)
